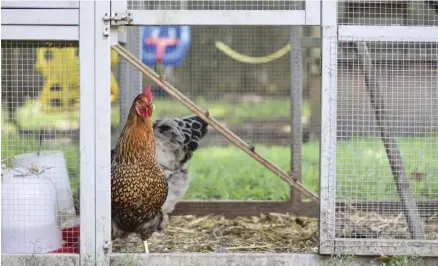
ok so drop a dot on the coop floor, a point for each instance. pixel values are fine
(393, 226)
(266, 233)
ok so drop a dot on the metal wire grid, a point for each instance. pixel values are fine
(216, 5)
(388, 13)
(312, 84)
(129, 79)
(408, 83)
(133, 44)
(243, 95)
(40, 112)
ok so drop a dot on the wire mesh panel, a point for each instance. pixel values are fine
(215, 5)
(39, 146)
(270, 12)
(388, 13)
(242, 75)
(386, 151)
(228, 70)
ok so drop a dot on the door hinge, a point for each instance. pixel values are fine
(119, 18)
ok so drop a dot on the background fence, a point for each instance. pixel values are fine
(251, 97)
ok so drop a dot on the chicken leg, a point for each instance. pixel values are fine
(146, 248)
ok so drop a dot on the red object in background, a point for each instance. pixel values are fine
(161, 44)
(71, 240)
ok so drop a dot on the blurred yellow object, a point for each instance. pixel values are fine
(114, 88)
(114, 57)
(59, 97)
(60, 67)
(251, 59)
(61, 64)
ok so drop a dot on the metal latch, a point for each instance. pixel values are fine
(119, 18)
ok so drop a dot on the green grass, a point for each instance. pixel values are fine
(6, 127)
(267, 109)
(368, 176)
(228, 173)
(55, 121)
(271, 109)
(346, 260)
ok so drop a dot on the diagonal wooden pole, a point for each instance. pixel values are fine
(206, 116)
(395, 160)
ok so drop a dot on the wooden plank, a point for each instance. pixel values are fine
(40, 16)
(87, 136)
(246, 259)
(327, 162)
(356, 33)
(102, 124)
(40, 4)
(40, 259)
(233, 208)
(415, 55)
(218, 17)
(313, 12)
(43, 33)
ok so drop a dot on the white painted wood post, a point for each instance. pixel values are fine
(328, 127)
(87, 133)
(102, 70)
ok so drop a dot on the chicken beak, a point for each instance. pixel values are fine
(152, 106)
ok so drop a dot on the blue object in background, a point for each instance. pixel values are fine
(173, 55)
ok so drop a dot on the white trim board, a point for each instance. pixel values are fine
(40, 16)
(313, 12)
(40, 4)
(183, 259)
(43, 33)
(218, 17)
(388, 33)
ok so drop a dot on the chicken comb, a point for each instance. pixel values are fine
(147, 92)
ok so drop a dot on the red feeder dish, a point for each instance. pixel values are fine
(71, 240)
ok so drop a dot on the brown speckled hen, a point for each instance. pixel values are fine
(138, 183)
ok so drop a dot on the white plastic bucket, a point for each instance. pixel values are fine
(54, 167)
(28, 213)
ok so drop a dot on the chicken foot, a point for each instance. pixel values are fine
(146, 248)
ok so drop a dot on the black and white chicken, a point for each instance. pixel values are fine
(175, 141)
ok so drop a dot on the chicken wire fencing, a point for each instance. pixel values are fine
(215, 5)
(386, 148)
(388, 13)
(242, 74)
(39, 146)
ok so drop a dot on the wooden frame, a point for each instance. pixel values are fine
(40, 4)
(310, 16)
(40, 17)
(42, 33)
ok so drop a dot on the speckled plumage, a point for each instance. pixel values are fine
(176, 139)
(138, 184)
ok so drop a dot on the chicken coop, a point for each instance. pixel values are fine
(289, 132)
